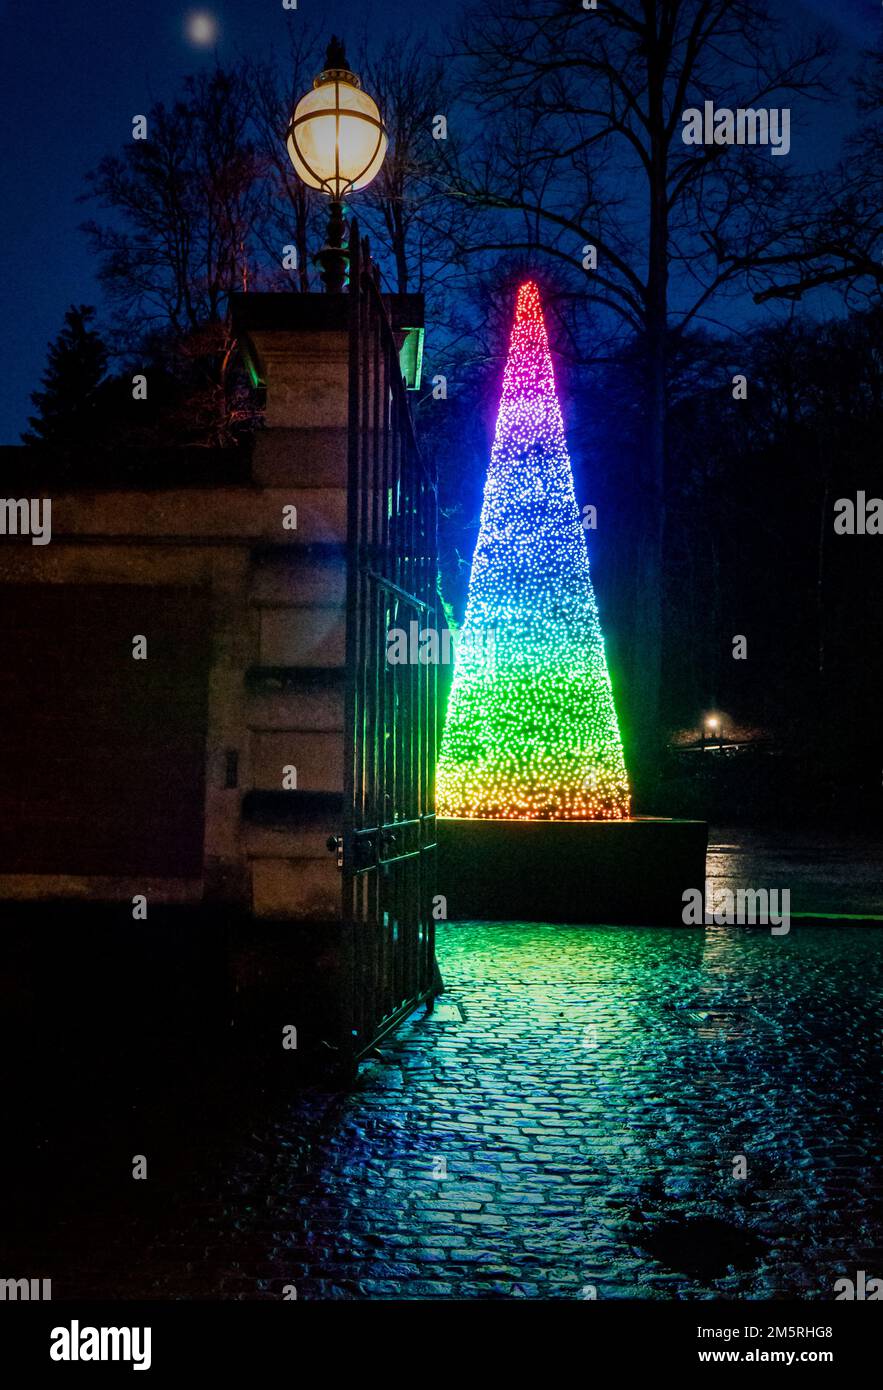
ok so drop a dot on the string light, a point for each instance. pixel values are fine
(531, 731)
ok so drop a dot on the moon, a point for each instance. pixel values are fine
(202, 28)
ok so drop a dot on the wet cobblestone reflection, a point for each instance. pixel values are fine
(589, 1109)
(573, 1134)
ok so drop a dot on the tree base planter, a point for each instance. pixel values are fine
(619, 871)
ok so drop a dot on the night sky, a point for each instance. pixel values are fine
(73, 76)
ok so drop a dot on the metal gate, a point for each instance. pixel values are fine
(389, 839)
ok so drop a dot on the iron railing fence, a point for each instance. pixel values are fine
(389, 836)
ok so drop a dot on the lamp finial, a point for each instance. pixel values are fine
(336, 55)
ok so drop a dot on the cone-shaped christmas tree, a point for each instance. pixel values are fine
(531, 731)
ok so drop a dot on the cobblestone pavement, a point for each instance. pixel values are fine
(566, 1125)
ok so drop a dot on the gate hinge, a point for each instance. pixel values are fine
(335, 843)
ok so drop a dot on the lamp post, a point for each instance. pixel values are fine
(336, 141)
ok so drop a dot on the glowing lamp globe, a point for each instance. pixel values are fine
(336, 139)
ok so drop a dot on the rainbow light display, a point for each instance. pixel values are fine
(531, 731)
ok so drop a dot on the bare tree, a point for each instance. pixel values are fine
(405, 206)
(584, 150)
(186, 202)
(837, 239)
(291, 212)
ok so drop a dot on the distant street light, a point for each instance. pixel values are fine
(712, 725)
(337, 142)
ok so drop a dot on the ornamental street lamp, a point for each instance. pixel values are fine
(336, 141)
